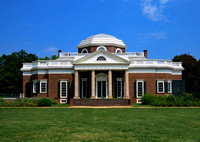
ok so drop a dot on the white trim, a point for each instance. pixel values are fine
(61, 72)
(118, 49)
(34, 86)
(169, 87)
(137, 81)
(27, 73)
(61, 101)
(43, 81)
(82, 80)
(160, 81)
(139, 101)
(63, 81)
(101, 47)
(119, 79)
(84, 50)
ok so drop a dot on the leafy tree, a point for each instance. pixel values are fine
(191, 72)
(10, 74)
(53, 57)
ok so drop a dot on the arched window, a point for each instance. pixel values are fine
(84, 50)
(101, 48)
(101, 58)
(118, 50)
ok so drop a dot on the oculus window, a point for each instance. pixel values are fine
(101, 48)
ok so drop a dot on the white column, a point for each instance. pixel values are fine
(76, 85)
(93, 84)
(110, 84)
(126, 93)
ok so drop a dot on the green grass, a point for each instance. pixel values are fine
(61, 105)
(74, 124)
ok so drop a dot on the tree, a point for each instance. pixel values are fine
(190, 73)
(53, 57)
(10, 74)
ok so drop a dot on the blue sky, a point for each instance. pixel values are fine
(164, 27)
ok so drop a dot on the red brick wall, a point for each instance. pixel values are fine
(26, 79)
(53, 83)
(111, 49)
(150, 79)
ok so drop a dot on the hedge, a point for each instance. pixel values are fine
(27, 102)
(169, 100)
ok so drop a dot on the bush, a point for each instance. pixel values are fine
(44, 102)
(53, 102)
(147, 99)
(169, 100)
(2, 102)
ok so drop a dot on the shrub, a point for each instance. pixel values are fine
(17, 103)
(2, 102)
(169, 100)
(147, 99)
(44, 102)
(53, 102)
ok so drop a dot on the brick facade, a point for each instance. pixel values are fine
(111, 49)
(54, 79)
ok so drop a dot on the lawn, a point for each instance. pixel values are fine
(78, 124)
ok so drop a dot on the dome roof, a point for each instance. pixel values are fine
(101, 39)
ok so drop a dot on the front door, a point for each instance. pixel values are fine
(101, 89)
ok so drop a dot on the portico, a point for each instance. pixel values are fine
(101, 84)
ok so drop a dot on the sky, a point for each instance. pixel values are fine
(163, 27)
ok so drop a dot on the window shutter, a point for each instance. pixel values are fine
(68, 83)
(80, 88)
(144, 87)
(38, 87)
(166, 87)
(156, 86)
(134, 89)
(116, 88)
(58, 89)
(122, 88)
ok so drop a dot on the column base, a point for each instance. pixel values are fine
(93, 97)
(126, 97)
(110, 97)
(76, 98)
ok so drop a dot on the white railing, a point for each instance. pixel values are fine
(67, 54)
(136, 54)
(157, 62)
(51, 63)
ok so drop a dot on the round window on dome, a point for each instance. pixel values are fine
(101, 48)
(118, 50)
(84, 50)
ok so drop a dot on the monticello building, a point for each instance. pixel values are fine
(101, 73)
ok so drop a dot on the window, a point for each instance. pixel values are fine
(101, 48)
(101, 58)
(63, 89)
(160, 86)
(139, 101)
(118, 50)
(63, 101)
(84, 87)
(139, 88)
(84, 50)
(43, 86)
(34, 86)
(119, 88)
(169, 86)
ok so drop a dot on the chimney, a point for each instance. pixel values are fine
(59, 51)
(145, 53)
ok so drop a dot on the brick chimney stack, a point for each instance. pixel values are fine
(59, 51)
(145, 53)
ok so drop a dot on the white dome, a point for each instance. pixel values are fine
(101, 39)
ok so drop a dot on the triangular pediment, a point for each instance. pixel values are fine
(101, 57)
